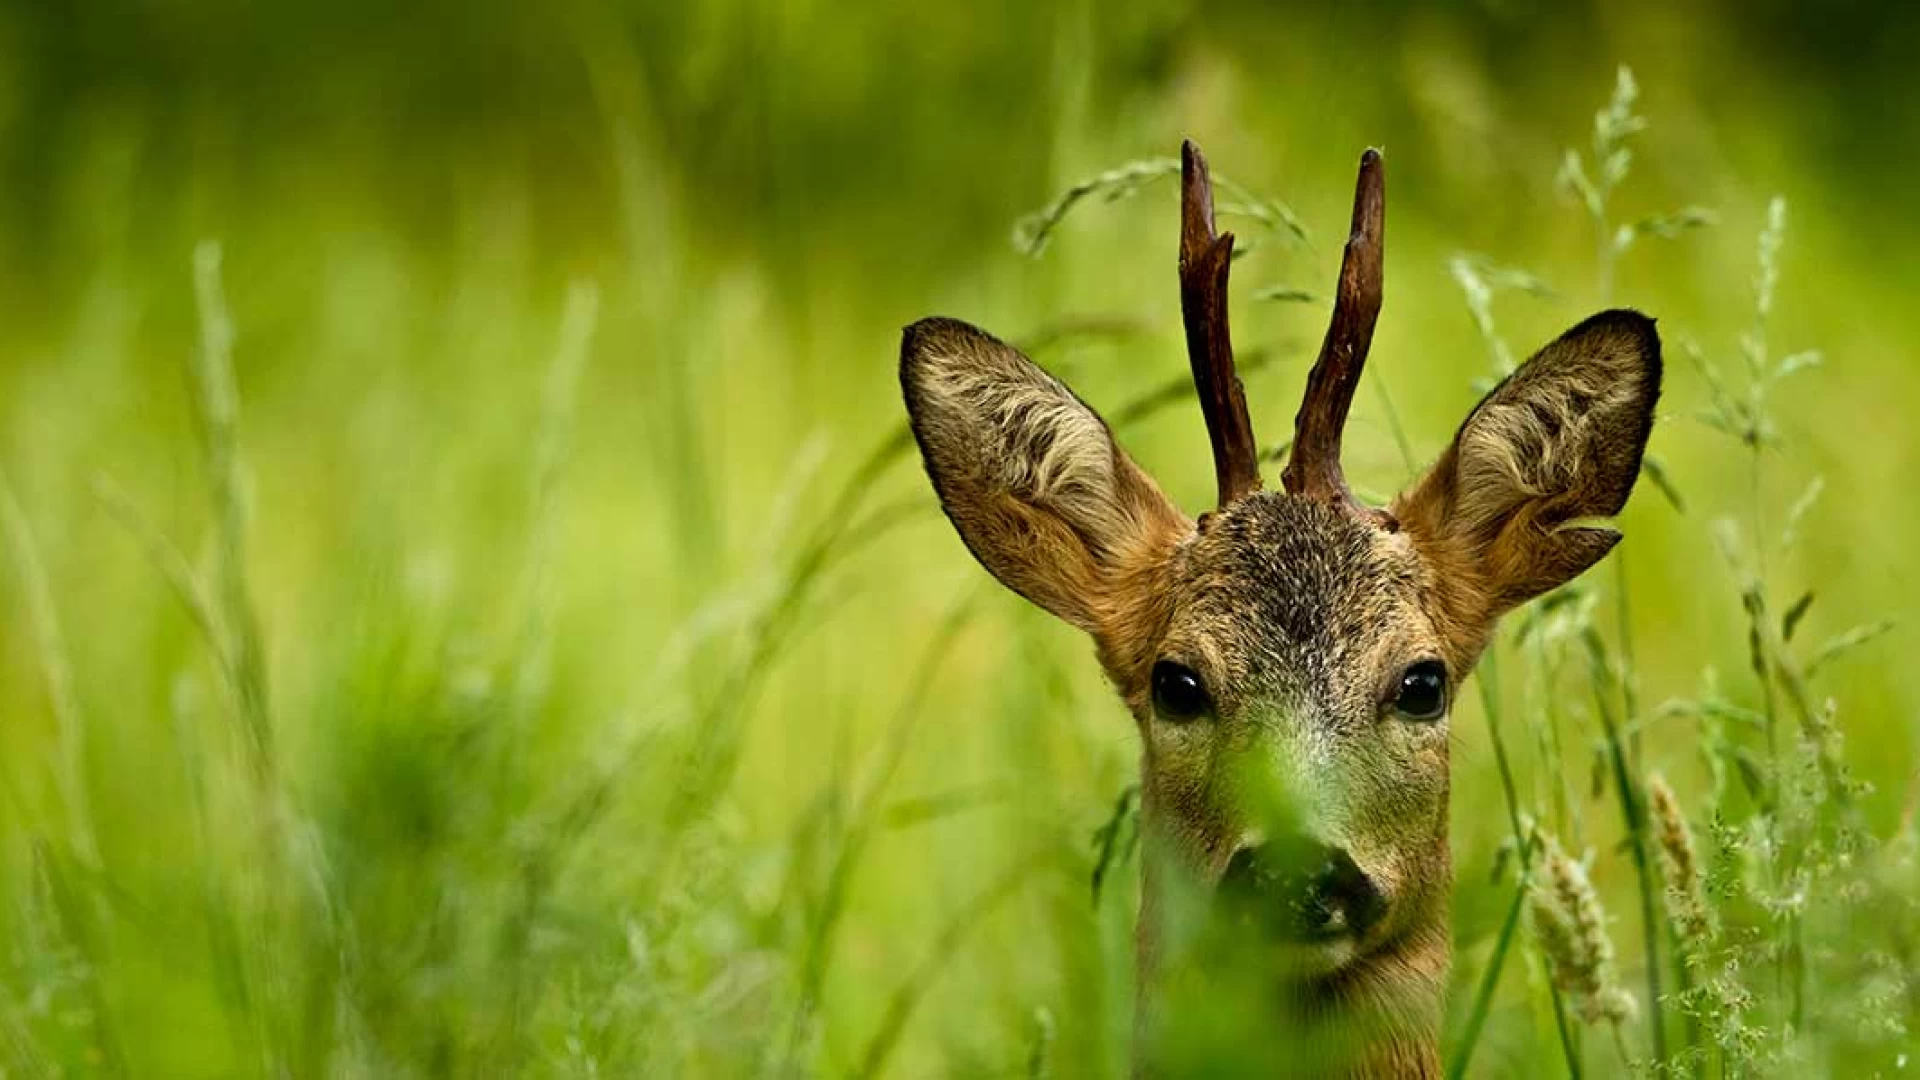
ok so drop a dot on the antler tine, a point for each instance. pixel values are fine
(1313, 467)
(1205, 259)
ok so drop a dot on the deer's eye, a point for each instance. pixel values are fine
(1178, 694)
(1423, 691)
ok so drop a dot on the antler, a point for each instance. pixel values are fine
(1204, 261)
(1313, 467)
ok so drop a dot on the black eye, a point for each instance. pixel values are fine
(1423, 691)
(1178, 694)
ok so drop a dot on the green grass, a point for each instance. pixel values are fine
(468, 605)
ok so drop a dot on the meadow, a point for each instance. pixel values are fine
(469, 605)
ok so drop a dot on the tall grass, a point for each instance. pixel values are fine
(1734, 1026)
(726, 762)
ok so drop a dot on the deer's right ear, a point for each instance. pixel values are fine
(1029, 475)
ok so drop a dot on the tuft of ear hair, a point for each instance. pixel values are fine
(1507, 511)
(1030, 475)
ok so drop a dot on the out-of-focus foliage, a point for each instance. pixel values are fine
(627, 706)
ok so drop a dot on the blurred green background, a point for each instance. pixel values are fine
(623, 721)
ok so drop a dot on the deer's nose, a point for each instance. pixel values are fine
(1301, 888)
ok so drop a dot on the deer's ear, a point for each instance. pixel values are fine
(1029, 475)
(1508, 512)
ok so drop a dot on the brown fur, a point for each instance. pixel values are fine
(1299, 618)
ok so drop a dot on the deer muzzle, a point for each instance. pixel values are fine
(1300, 889)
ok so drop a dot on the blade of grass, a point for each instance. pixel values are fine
(907, 996)
(169, 563)
(217, 410)
(1634, 818)
(550, 452)
(75, 926)
(865, 818)
(23, 1054)
(1488, 678)
(1489, 981)
(232, 979)
(1032, 232)
(57, 670)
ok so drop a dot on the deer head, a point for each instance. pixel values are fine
(1290, 657)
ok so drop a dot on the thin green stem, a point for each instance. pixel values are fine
(1787, 983)
(1629, 671)
(57, 670)
(1490, 704)
(82, 933)
(1489, 981)
(864, 820)
(1757, 606)
(217, 409)
(906, 997)
(1604, 255)
(1490, 978)
(1566, 819)
(1568, 1051)
(1620, 1047)
(1683, 990)
(1635, 822)
(1393, 425)
(1489, 683)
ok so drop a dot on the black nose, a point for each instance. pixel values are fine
(1301, 888)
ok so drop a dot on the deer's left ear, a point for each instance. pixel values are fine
(1508, 510)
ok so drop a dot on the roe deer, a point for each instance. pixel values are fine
(1296, 642)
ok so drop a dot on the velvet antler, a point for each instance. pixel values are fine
(1205, 259)
(1313, 468)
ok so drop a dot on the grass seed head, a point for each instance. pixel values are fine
(1686, 893)
(1572, 930)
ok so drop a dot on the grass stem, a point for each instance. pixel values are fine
(1489, 684)
(1635, 822)
(1489, 982)
(57, 670)
(217, 410)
